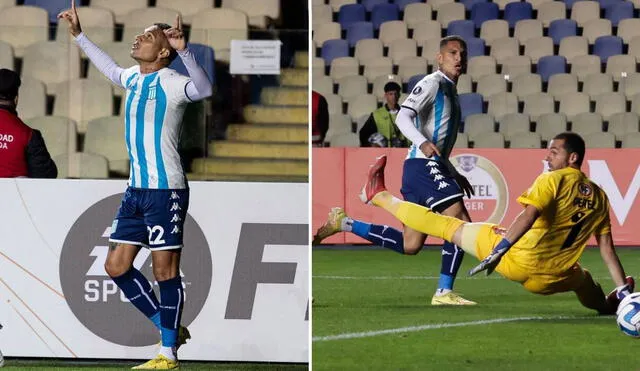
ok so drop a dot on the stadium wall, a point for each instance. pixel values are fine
(244, 267)
(499, 176)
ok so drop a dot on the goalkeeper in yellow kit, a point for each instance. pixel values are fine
(562, 210)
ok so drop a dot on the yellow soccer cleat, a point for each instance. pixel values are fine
(332, 226)
(159, 363)
(451, 298)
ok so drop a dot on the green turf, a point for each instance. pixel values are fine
(372, 290)
(66, 365)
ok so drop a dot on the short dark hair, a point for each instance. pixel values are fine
(9, 84)
(573, 143)
(450, 38)
(172, 52)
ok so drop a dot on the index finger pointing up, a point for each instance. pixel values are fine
(73, 5)
(178, 22)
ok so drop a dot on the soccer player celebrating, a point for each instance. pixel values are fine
(562, 210)
(154, 206)
(429, 118)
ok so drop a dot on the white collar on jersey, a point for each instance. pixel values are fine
(445, 76)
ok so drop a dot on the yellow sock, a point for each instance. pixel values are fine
(418, 217)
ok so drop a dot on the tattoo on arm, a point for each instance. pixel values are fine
(112, 246)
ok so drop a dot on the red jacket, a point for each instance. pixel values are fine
(319, 118)
(22, 149)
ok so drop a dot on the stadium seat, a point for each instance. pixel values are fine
(415, 13)
(478, 123)
(514, 66)
(343, 66)
(623, 123)
(77, 99)
(619, 11)
(217, 27)
(190, 8)
(470, 104)
(104, 137)
(204, 56)
(550, 11)
(382, 13)
(461, 27)
(351, 13)
(502, 104)
(358, 31)
(538, 47)
(584, 11)
(634, 47)
(504, 48)
(379, 83)
(550, 125)
(631, 140)
(465, 84)
(600, 140)
(550, 65)
(561, 28)
(514, 123)
(526, 84)
(322, 85)
(426, 30)
(586, 123)
(401, 49)
(438, 4)
(121, 54)
(332, 49)
(561, 84)
(375, 67)
(489, 140)
(527, 29)
(345, 140)
(413, 80)
(489, 85)
(368, 49)
(574, 104)
(482, 12)
(606, 46)
(620, 66)
(635, 104)
(334, 102)
(584, 65)
(321, 14)
(261, 14)
(120, 8)
(352, 86)
(430, 49)
(572, 47)
(7, 3)
(449, 12)
(475, 47)
(514, 12)
(59, 133)
(53, 7)
(462, 141)
(608, 104)
(337, 4)
(469, 4)
(138, 20)
(34, 103)
(503, 3)
(6, 56)
(392, 30)
(628, 29)
(630, 85)
(605, 4)
(411, 66)
(596, 28)
(23, 26)
(369, 4)
(481, 66)
(52, 63)
(362, 105)
(98, 24)
(326, 31)
(403, 4)
(338, 124)
(525, 140)
(538, 104)
(596, 84)
(81, 165)
(494, 30)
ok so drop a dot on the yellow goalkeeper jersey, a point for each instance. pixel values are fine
(572, 209)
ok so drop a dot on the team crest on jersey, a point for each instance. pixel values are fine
(585, 189)
(152, 92)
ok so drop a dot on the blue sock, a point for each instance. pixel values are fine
(171, 301)
(451, 259)
(381, 235)
(137, 289)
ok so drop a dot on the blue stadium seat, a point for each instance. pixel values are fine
(358, 31)
(551, 65)
(205, 57)
(561, 28)
(53, 7)
(481, 12)
(384, 12)
(514, 12)
(569, 3)
(413, 80)
(475, 47)
(334, 48)
(470, 104)
(468, 4)
(463, 28)
(619, 11)
(606, 46)
(604, 4)
(369, 4)
(403, 3)
(351, 13)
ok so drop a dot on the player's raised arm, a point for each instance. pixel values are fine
(199, 87)
(99, 58)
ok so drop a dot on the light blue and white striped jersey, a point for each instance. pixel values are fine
(435, 101)
(154, 108)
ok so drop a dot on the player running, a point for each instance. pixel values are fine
(562, 210)
(429, 118)
(155, 203)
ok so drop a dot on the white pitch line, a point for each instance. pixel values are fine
(481, 277)
(359, 335)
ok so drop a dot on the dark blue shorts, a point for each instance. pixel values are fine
(153, 218)
(429, 183)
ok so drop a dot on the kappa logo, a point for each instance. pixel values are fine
(432, 163)
(174, 196)
(175, 230)
(438, 177)
(95, 299)
(175, 207)
(434, 170)
(176, 218)
(442, 184)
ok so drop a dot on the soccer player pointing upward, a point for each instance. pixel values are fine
(155, 203)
